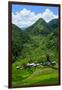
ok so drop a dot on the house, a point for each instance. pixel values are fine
(32, 64)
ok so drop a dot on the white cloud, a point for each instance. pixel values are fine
(48, 15)
(25, 18)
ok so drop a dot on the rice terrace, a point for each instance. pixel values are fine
(35, 45)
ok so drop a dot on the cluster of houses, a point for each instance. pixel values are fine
(29, 65)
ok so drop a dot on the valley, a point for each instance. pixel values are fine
(36, 44)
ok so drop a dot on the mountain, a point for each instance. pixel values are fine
(19, 37)
(40, 27)
(54, 24)
(36, 45)
(42, 41)
(35, 42)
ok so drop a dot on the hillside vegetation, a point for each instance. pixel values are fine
(32, 45)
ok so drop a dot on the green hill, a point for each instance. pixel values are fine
(54, 24)
(43, 41)
(40, 27)
(18, 39)
(32, 46)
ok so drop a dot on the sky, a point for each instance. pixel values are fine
(25, 15)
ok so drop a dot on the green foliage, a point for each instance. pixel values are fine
(31, 46)
(54, 24)
(18, 39)
(39, 28)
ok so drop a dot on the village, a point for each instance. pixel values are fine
(30, 65)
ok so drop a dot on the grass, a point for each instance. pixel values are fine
(34, 76)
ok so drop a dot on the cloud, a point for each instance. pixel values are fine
(26, 18)
(48, 15)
